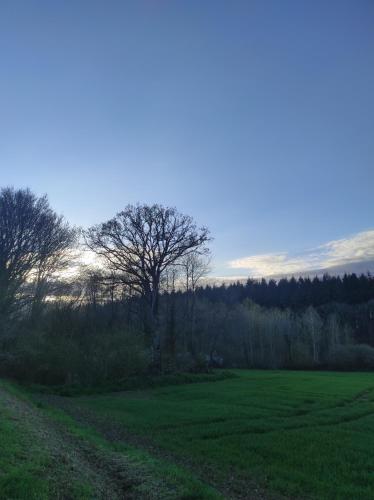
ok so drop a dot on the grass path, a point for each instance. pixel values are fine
(72, 468)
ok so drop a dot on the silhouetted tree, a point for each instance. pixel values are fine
(194, 268)
(143, 241)
(34, 242)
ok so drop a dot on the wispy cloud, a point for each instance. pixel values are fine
(354, 249)
(357, 248)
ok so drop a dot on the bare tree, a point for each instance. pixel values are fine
(313, 328)
(33, 245)
(92, 281)
(142, 242)
(194, 267)
(55, 242)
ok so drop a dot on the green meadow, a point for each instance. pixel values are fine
(297, 433)
(260, 434)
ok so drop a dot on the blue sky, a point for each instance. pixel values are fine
(256, 117)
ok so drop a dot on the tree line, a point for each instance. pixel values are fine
(143, 309)
(297, 293)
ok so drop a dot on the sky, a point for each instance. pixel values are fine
(256, 117)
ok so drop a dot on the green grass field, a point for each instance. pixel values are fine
(297, 433)
(262, 433)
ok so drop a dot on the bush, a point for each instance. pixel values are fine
(352, 357)
(43, 358)
(136, 382)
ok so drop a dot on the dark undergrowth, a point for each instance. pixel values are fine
(133, 383)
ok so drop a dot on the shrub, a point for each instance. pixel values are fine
(352, 357)
(43, 358)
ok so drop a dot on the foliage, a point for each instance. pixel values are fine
(101, 358)
(296, 293)
(144, 312)
(133, 383)
(352, 357)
